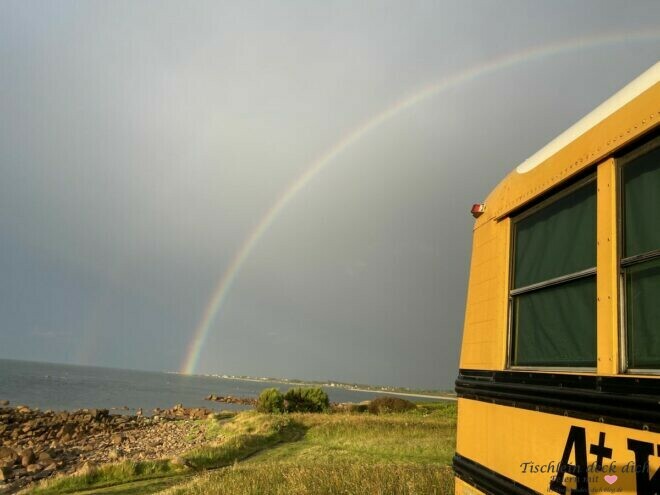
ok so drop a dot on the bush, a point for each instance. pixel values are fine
(390, 405)
(270, 400)
(313, 399)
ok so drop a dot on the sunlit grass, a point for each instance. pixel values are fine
(322, 453)
(233, 441)
(110, 474)
(274, 478)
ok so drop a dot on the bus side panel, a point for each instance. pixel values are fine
(462, 488)
(485, 329)
(527, 446)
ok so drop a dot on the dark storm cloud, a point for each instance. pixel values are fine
(140, 142)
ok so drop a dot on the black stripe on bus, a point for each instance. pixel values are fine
(618, 400)
(487, 480)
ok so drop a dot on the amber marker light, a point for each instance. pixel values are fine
(478, 210)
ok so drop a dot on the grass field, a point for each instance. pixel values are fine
(251, 453)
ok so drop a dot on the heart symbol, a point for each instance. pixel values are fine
(611, 478)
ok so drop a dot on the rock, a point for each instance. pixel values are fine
(117, 438)
(27, 457)
(23, 409)
(6, 452)
(4, 403)
(247, 401)
(5, 473)
(41, 475)
(36, 445)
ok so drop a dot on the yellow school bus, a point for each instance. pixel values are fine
(559, 380)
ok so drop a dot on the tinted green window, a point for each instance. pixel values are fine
(641, 183)
(643, 314)
(641, 227)
(555, 326)
(558, 239)
(554, 321)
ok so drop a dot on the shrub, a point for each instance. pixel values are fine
(270, 400)
(349, 407)
(312, 399)
(389, 405)
(358, 408)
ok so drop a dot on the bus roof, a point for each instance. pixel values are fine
(632, 111)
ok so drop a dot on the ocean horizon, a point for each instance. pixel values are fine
(70, 387)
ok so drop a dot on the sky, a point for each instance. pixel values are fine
(143, 142)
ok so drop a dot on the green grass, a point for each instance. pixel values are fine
(273, 478)
(364, 438)
(401, 453)
(246, 434)
(297, 454)
(110, 475)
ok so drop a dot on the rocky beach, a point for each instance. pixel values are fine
(36, 444)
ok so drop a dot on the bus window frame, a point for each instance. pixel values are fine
(557, 195)
(623, 263)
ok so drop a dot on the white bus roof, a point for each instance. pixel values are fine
(607, 108)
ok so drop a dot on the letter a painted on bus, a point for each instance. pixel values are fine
(577, 440)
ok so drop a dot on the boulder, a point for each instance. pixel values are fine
(27, 457)
(33, 468)
(117, 438)
(4, 403)
(6, 452)
(5, 473)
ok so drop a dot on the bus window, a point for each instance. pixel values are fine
(641, 259)
(553, 299)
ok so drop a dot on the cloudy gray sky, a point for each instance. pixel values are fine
(141, 142)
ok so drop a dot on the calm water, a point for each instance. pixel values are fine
(60, 387)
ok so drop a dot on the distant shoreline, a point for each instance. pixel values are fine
(337, 386)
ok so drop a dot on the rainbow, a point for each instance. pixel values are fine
(509, 60)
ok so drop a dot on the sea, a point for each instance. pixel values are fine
(68, 387)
